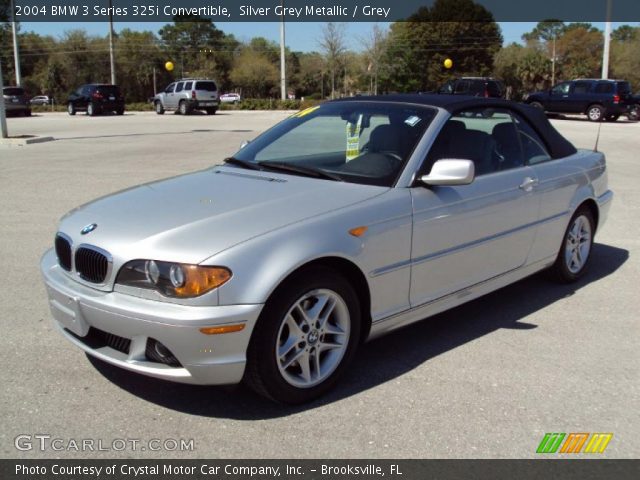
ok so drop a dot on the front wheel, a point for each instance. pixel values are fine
(575, 252)
(305, 337)
(159, 108)
(71, 109)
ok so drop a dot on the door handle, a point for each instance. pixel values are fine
(528, 183)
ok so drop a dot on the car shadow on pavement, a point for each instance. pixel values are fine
(383, 359)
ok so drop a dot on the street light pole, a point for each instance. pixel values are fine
(607, 42)
(16, 54)
(111, 52)
(283, 74)
(3, 113)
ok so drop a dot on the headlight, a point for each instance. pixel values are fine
(173, 279)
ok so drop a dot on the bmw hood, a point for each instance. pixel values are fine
(192, 217)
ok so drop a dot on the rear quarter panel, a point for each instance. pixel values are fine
(564, 184)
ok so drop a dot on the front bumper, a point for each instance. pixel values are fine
(204, 359)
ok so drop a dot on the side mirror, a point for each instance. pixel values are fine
(450, 172)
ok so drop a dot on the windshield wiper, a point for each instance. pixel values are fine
(242, 163)
(308, 171)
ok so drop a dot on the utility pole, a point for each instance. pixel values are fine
(16, 54)
(3, 113)
(283, 73)
(607, 42)
(553, 61)
(112, 57)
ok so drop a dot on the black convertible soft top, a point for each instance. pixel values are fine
(558, 145)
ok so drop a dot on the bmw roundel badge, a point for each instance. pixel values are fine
(89, 228)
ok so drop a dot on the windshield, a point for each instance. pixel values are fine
(359, 142)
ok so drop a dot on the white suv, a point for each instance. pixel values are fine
(187, 95)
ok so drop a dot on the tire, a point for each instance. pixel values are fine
(211, 111)
(612, 117)
(537, 105)
(120, 111)
(91, 110)
(575, 252)
(285, 344)
(595, 113)
(183, 108)
(634, 112)
(159, 108)
(27, 113)
(71, 109)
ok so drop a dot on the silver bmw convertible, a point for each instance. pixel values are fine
(339, 224)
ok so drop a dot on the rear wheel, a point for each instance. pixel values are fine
(634, 112)
(537, 105)
(183, 108)
(595, 113)
(305, 337)
(92, 110)
(159, 108)
(71, 109)
(575, 252)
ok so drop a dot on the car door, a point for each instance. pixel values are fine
(580, 97)
(169, 97)
(559, 98)
(464, 235)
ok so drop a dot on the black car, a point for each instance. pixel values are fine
(598, 99)
(96, 98)
(474, 86)
(16, 101)
(634, 109)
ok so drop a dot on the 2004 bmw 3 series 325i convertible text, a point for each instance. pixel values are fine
(337, 225)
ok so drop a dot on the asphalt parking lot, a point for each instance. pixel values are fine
(486, 380)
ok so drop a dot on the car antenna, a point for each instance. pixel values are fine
(595, 149)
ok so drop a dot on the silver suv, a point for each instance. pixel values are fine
(187, 95)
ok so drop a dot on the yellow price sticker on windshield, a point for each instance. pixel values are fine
(306, 111)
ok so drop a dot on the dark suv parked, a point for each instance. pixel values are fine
(96, 98)
(16, 101)
(474, 86)
(598, 99)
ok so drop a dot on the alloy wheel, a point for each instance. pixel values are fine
(578, 244)
(313, 338)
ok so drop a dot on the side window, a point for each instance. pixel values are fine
(580, 88)
(169, 89)
(462, 87)
(533, 147)
(447, 88)
(179, 87)
(604, 87)
(561, 89)
(486, 136)
(188, 85)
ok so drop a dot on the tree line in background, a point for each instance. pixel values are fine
(408, 57)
